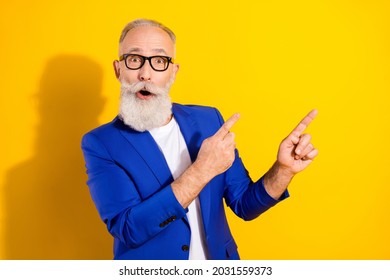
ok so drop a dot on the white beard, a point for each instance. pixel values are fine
(142, 115)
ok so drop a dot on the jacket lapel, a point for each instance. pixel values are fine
(149, 151)
(189, 129)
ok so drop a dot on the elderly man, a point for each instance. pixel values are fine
(159, 172)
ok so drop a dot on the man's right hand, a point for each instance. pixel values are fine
(216, 154)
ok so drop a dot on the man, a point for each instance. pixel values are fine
(158, 173)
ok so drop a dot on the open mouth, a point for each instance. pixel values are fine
(145, 92)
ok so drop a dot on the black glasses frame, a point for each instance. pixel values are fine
(144, 58)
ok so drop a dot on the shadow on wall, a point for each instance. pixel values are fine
(49, 212)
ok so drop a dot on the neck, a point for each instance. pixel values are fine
(168, 120)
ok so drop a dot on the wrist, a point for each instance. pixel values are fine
(277, 179)
(188, 186)
(200, 172)
(282, 171)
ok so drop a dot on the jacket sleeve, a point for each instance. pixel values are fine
(246, 198)
(128, 217)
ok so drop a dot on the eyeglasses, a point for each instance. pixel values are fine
(135, 61)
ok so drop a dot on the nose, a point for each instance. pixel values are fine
(145, 71)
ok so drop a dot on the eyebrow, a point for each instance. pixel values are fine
(133, 50)
(137, 50)
(159, 50)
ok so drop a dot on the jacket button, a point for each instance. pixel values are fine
(163, 224)
(185, 248)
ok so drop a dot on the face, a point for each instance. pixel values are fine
(146, 41)
(145, 102)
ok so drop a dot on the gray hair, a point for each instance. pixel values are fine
(146, 22)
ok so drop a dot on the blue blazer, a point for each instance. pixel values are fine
(129, 181)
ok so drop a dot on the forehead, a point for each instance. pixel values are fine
(147, 40)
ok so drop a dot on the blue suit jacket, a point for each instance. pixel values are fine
(129, 182)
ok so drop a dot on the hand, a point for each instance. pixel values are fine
(216, 154)
(296, 151)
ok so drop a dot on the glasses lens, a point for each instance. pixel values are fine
(159, 63)
(134, 61)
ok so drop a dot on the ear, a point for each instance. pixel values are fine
(116, 69)
(175, 69)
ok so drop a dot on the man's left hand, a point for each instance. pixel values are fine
(296, 151)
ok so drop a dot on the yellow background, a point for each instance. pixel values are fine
(272, 61)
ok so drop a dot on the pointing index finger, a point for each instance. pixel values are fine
(304, 123)
(227, 125)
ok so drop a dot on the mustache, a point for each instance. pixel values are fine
(133, 88)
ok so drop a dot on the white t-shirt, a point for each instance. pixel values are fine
(172, 145)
